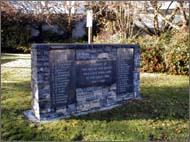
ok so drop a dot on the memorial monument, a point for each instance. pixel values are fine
(75, 79)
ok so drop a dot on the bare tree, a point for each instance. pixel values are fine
(117, 16)
(126, 17)
(167, 19)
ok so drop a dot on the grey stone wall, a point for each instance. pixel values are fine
(136, 74)
(78, 31)
(40, 81)
(88, 98)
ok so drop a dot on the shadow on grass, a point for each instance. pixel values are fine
(156, 103)
(8, 55)
(16, 86)
(3, 61)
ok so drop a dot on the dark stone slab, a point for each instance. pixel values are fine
(95, 73)
(125, 67)
(62, 75)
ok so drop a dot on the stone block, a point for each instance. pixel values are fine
(62, 110)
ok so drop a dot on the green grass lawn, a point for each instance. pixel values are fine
(161, 114)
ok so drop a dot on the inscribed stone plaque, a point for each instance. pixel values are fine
(124, 70)
(95, 72)
(62, 77)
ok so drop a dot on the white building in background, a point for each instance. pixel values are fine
(148, 18)
(45, 7)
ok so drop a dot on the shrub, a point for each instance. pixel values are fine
(165, 54)
(152, 50)
(176, 54)
(15, 38)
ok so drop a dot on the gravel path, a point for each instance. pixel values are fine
(20, 63)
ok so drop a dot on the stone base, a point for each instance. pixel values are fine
(138, 98)
(30, 116)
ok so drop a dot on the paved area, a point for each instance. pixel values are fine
(20, 63)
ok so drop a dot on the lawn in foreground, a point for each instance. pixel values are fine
(161, 114)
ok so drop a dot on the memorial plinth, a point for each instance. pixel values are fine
(75, 79)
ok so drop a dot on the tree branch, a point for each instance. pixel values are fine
(146, 28)
(171, 18)
(182, 10)
(167, 21)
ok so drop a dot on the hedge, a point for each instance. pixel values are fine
(165, 54)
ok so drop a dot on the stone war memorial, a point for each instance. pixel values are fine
(75, 79)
